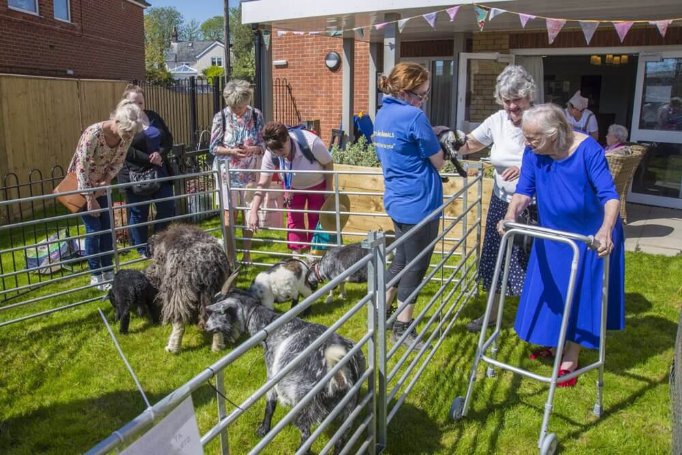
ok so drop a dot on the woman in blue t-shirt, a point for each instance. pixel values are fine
(410, 157)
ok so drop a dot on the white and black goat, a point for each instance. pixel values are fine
(188, 267)
(334, 262)
(284, 281)
(239, 312)
(132, 289)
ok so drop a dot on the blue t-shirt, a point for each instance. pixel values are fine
(404, 141)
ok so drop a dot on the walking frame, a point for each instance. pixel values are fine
(547, 442)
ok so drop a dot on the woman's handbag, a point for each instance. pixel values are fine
(146, 182)
(73, 202)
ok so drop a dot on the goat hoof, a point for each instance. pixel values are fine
(262, 430)
(172, 350)
(329, 300)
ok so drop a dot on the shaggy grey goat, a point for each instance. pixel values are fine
(239, 312)
(188, 268)
(132, 290)
(284, 281)
(334, 262)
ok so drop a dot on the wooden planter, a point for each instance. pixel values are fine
(363, 205)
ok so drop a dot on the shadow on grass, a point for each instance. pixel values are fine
(401, 437)
(82, 423)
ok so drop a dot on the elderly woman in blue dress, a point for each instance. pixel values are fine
(567, 172)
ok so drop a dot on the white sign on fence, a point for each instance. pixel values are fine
(176, 434)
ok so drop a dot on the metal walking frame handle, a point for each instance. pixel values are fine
(589, 240)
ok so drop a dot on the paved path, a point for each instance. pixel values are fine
(653, 230)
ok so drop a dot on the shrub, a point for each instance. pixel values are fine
(359, 153)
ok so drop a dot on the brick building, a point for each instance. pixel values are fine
(98, 39)
(627, 79)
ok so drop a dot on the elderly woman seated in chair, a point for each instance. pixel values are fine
(616, 139)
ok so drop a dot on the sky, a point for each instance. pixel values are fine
(196, 9)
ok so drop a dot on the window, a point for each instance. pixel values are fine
(62, 10)
(216, 61)
(24, 5)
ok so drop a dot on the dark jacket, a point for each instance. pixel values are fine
(137, 158)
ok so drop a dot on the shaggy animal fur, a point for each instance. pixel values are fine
(282, 282)
(188, 267)
(334, 262)
(132, 290)
(240, 312)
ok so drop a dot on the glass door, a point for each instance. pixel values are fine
(657, 119)
(439, 105)
(476, 85)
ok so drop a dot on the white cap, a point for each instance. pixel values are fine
(579, 102)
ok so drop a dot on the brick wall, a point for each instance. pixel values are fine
(316, 89)
(104, 40)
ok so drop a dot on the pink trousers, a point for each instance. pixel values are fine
(296, 220)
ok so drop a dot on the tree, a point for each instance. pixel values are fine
(158, 29)
(212, 29)
(190, 31)
(213, 71)
(241, 36)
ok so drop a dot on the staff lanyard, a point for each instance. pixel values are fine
(287, 177)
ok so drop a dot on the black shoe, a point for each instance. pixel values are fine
(410, 340)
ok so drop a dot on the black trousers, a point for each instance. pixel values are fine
(407, 251)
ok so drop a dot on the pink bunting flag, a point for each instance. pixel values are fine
(380, 25)
(298, 33)
(452, 12)
(430, 18)
(524, 18)
(481, 14)
(588, 29)
(622, 28)
(402, 23)
(494, 12)
(662, 26)
(554, 26)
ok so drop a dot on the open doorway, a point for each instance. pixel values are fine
(608, 81)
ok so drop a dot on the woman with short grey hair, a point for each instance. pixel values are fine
(237, 144)
(566, 172)
(515, 92)
(616, 137)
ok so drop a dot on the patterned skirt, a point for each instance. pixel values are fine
(491, 245)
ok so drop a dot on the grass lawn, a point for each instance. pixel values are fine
(63, 387)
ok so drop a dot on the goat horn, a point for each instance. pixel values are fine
(228, 283)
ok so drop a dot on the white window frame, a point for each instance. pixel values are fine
(27, 11)
(68, 11)
(217, 59)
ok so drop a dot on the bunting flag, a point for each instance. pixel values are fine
(588, 30)
(525, 18)
(481, 14)
(314, 33)
(281, 33)
(266, 39)
(360, 31)
(622, 28)
(334, 33)
(494, 12)
(298, 33)
(662, 26)
(430, 18)
(380, 25)
(402, 23)
(554, 26)
(452, 12)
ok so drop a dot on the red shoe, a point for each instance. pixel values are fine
(570, 382)
(542, 353)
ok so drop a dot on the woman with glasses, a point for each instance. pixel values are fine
(410, 157)
(580, 117)
(515, 92)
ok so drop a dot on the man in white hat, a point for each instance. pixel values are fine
(580, 117)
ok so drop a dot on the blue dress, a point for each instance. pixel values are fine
(571, 194)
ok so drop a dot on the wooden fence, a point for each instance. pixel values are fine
(41, 119)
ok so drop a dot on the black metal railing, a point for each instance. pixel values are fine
(285, 109)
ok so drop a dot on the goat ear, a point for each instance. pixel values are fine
(218, 306)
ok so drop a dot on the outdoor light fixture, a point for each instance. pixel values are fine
(610, 59)
(332, 60)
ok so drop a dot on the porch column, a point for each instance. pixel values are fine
(391, 42)
(372, 86)
(266, 78)
(348, 86)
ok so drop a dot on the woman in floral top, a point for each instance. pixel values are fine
(99, 156)
(237, 143)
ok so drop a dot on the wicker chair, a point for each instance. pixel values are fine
(623, 169)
